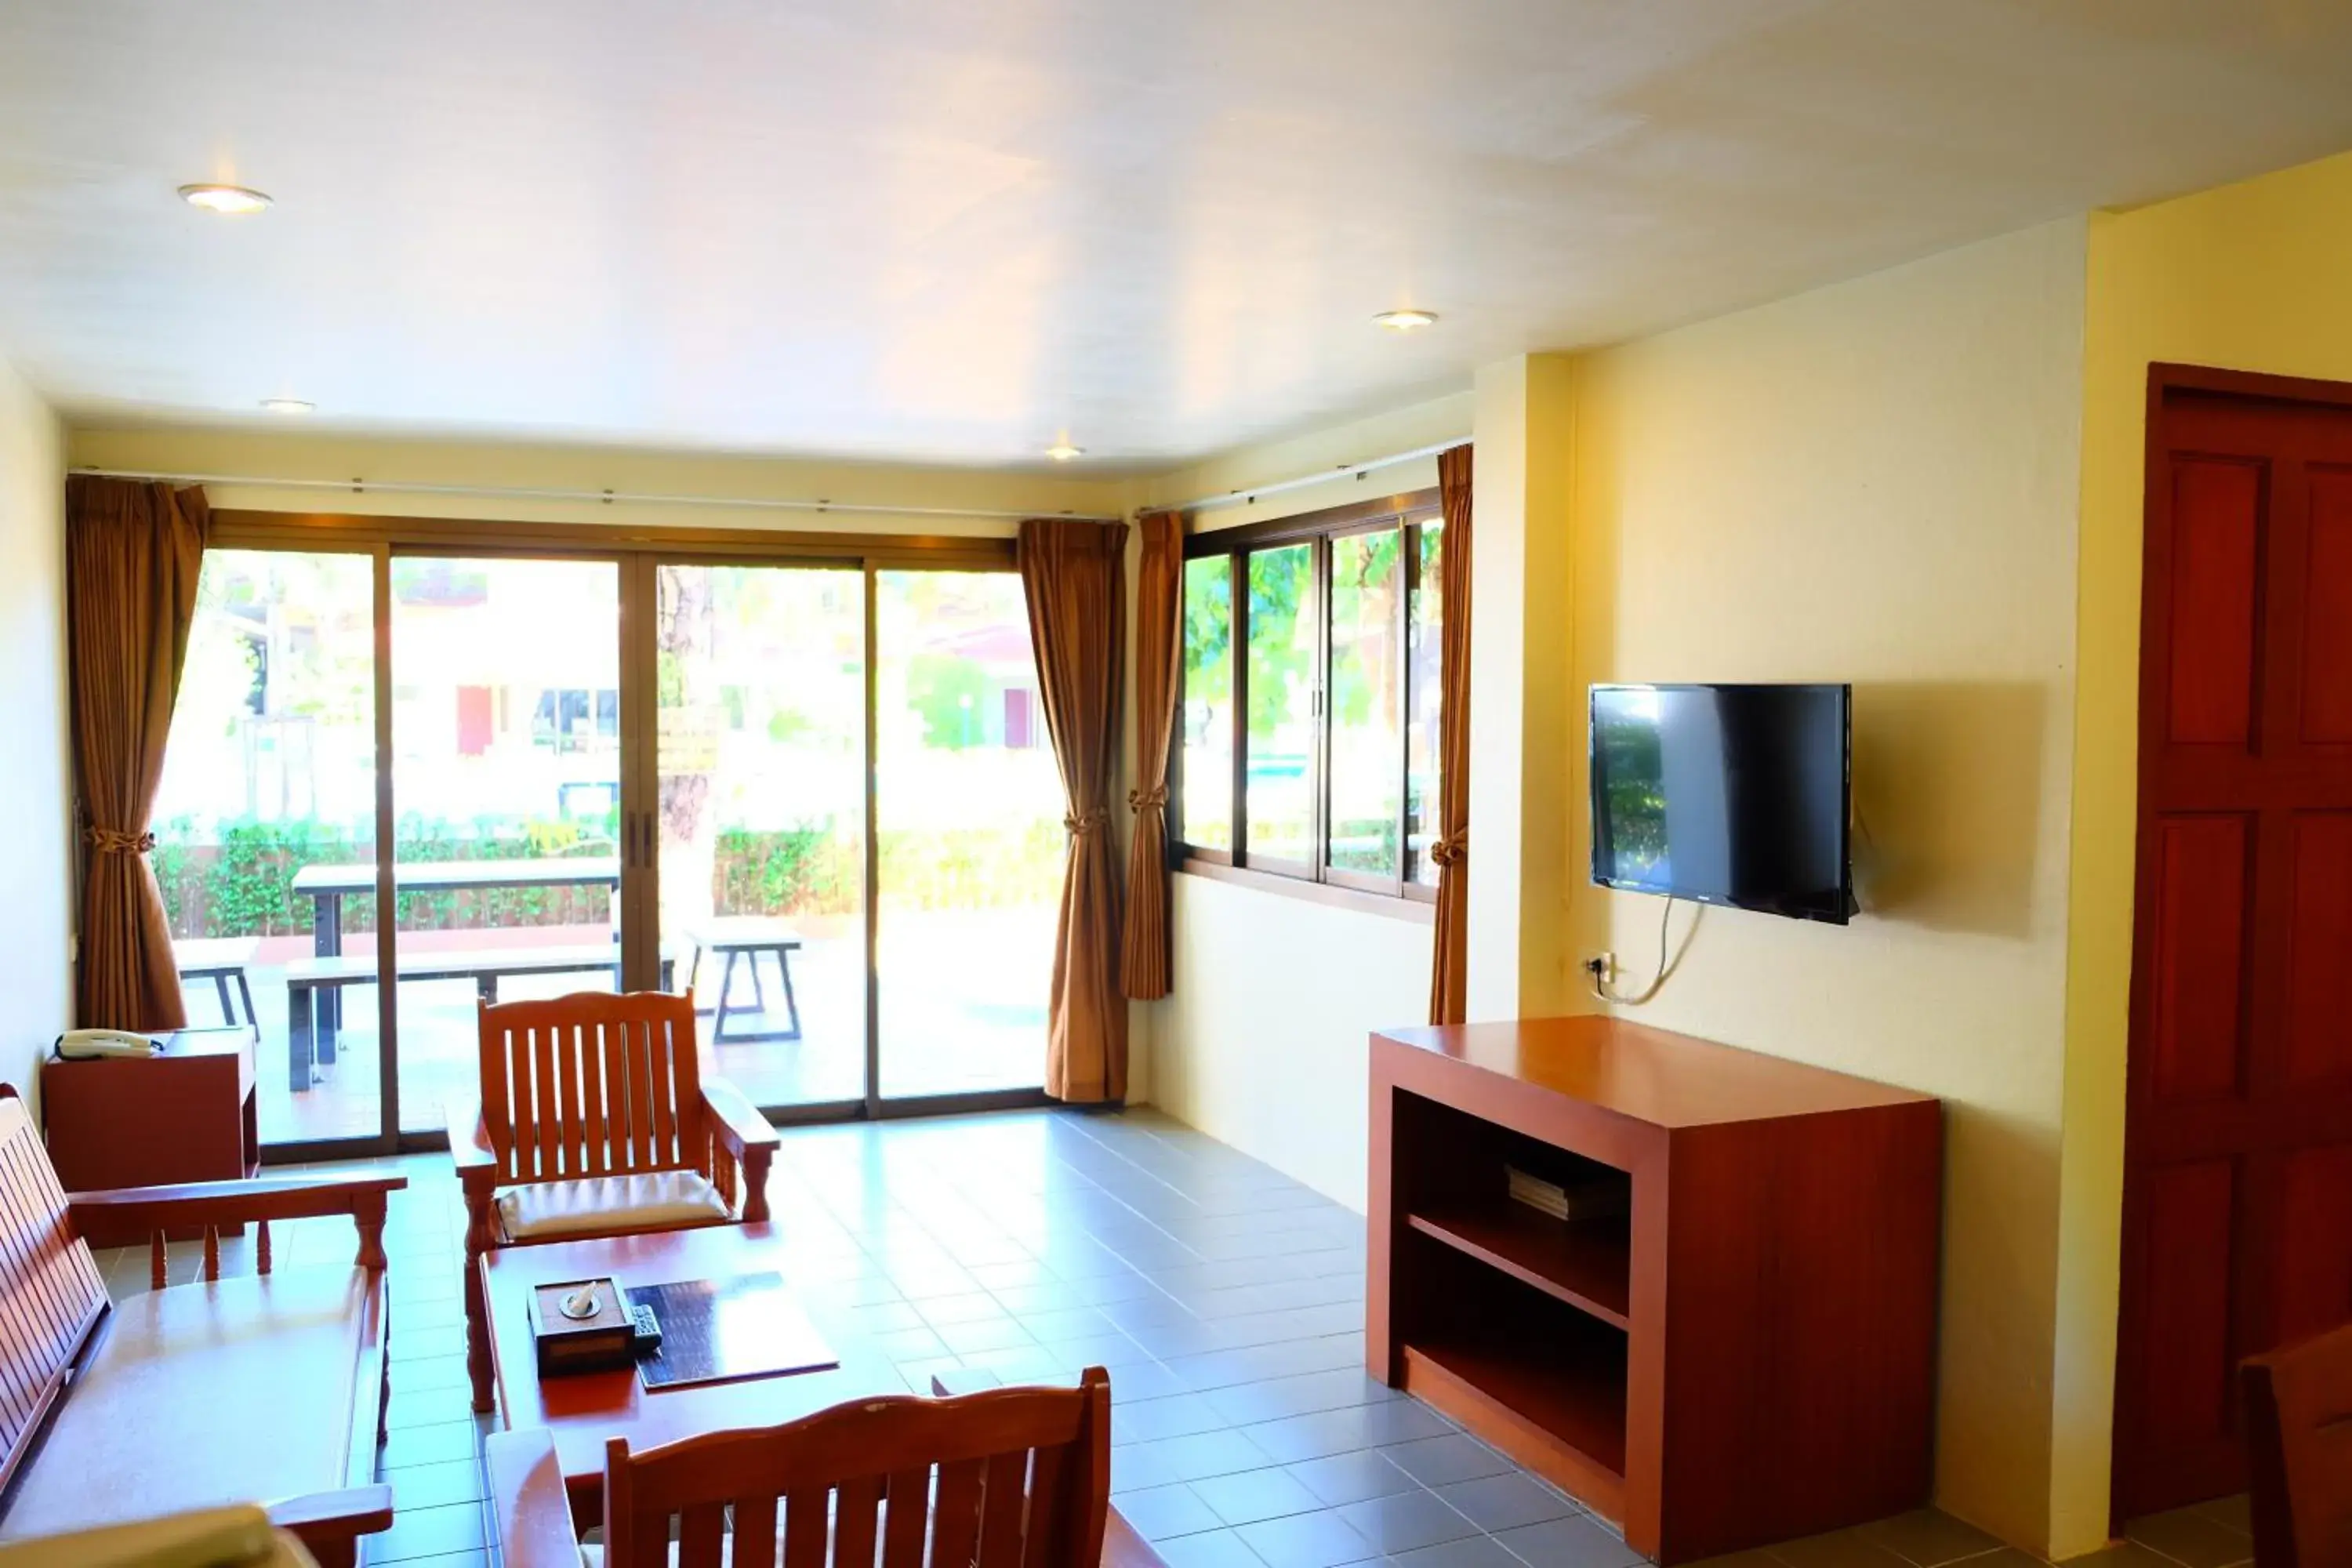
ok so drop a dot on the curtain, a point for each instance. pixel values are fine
(1074, 576)
(1158, 663)
(132, 553)
(1450, 959)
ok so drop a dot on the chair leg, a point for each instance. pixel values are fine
(478, 1312)
(245, 994)
(791, 1005)
(300, 1022)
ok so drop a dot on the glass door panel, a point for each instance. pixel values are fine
(1366, 702)
(968, 828)
(760, 747)
(268, 785)
(506, 791)
(1280, 731)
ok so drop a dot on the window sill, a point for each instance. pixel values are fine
(1418, 911)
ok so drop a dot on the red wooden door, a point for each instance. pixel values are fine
(2238, 1146)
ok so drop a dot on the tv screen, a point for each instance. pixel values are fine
(1724, 794)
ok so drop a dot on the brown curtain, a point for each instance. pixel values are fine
(1074, 576)
(1159, 657)
(1451, 956)
(133, 552)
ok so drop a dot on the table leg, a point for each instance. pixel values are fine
(220, 989)
(791, 1005)
(726, 984)
(327, 941)
(245, 994)
(299, 1027)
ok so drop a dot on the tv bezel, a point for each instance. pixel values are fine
(1846, 907)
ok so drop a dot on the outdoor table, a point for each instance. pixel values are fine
(327, 886)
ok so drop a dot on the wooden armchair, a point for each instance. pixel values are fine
(2299, 1452)
(595, 1119)
(1010, 1477)
(269, 1387)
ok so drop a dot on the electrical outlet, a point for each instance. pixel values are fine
(1603, 967)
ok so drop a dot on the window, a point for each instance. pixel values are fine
(1308, 727)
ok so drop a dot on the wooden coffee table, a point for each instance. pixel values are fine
(582, 1410)
(546, 1471)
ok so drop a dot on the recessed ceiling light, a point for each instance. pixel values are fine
(1062, 451)
(1406, 321)
(230, 201)
(287, 405)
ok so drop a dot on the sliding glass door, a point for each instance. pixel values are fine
(759, 725)
(818, 795)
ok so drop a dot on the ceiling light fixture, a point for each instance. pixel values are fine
(287, 405)
(1406, 321)
(1062, 451)
(229, 200)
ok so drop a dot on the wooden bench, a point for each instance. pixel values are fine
(745, 937)
(267, 1389)
(221, 960)
(310, 1028)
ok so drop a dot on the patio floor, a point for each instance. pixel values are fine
(968, 1015)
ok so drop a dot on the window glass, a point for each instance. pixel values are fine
(1367, 696)
(1426, 642)
(1207, 762)
(1281, 722)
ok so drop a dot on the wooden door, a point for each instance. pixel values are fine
(2238, 1148)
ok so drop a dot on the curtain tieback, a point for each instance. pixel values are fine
(1155, 797)
(114, 841)
(1451, 849)
(1085, 822)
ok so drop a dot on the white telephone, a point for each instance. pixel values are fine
(79, 1044)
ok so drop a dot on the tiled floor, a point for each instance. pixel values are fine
(1226, 1299)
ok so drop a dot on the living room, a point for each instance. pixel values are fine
(1293, 521)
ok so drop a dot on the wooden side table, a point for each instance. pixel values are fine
(185, 1114)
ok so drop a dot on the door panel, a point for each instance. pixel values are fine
(2238, 1147)
(2202, 890)
(2216, 545)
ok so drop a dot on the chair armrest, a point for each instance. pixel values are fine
(735, 1120)
(743, 1132)
(530, 1513)
(238, 1202)
(469, 1138)
(354, 1510)
(1123, 1548)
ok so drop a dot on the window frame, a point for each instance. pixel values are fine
(1407, 513)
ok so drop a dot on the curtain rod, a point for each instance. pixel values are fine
(1244, 496)
(638, 498)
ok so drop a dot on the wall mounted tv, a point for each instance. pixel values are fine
(1726, 794)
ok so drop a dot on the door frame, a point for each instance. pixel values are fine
(2164, 380)
(635, 550)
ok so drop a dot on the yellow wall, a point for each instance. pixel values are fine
(37, 784)
(2249, 277)
(1876, 483)
(1263, 1040)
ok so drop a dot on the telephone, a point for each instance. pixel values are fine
(77, 1045)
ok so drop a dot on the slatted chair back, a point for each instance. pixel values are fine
(2299, 1452)
(50, 1290)
(593, 1085)
(1008, 1478)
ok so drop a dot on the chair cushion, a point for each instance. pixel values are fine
(202, 1396)
(588, 1205)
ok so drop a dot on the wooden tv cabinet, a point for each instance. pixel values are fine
(1746, 1356)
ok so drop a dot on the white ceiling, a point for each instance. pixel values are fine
(955, 229)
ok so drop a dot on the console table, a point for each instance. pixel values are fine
(1745, 1354)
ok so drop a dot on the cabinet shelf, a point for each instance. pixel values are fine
(1577, 1402)
(1584, 1263)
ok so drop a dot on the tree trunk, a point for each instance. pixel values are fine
(686, 621)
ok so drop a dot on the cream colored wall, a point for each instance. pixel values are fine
(1262, 1040)
(36, 784)
(1876, 483)
(2249, 277)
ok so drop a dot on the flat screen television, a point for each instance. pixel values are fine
(1724, 794)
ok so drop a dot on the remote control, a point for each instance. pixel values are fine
(647, 1327)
